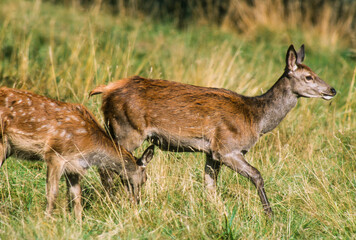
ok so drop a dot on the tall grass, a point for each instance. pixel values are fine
(332, 23)
(308, 162)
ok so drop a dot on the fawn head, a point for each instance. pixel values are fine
(133, 180)
(305, 83)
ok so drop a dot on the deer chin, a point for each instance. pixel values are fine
(327, 97)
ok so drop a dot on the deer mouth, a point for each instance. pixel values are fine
(327, 96)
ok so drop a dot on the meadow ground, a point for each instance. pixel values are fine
(308, 161)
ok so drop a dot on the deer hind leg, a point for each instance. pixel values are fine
(133, 142)
(54, 172)
(130, 138)
(212, 169)
(74, 192)
(236, 162)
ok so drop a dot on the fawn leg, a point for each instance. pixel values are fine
(54, 172)
(237, 162)
(75, 194)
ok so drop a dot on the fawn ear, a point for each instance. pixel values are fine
(98, 90)
(300, 55)
(146, 156)
(291, 59)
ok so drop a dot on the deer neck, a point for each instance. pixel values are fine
(275, 104)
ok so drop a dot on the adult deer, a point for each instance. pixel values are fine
(219, 122)
(68, 138)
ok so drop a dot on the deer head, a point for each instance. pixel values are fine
(135, 178)
(304, 82)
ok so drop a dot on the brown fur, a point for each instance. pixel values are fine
(67, 137)
(219, 122)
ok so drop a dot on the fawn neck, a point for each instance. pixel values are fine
(114, 157)
(275, 104)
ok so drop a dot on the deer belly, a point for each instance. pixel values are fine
(26, 148)
(179, 143)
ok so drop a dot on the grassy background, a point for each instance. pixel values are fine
(308, 162)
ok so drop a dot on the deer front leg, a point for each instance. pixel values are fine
(212, 169)
(236, 162)
(74, 192)
(54, 172)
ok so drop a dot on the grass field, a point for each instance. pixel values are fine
(308, 162)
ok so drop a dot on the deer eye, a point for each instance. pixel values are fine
(309, 78)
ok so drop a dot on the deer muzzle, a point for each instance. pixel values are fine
(328, 96)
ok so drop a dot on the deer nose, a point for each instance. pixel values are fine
(333, 91)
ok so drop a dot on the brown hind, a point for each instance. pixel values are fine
(219, 122)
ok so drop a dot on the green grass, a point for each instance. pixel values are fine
(308, 162)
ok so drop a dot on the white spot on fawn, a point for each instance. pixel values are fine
(81, 131)
(43, 127)
(63, 133)
(23, 133)
(6, 102)
(75, 118)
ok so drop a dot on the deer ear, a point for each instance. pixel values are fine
(146, 156)
(291, 59)
(98, 90)
(300, 55)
